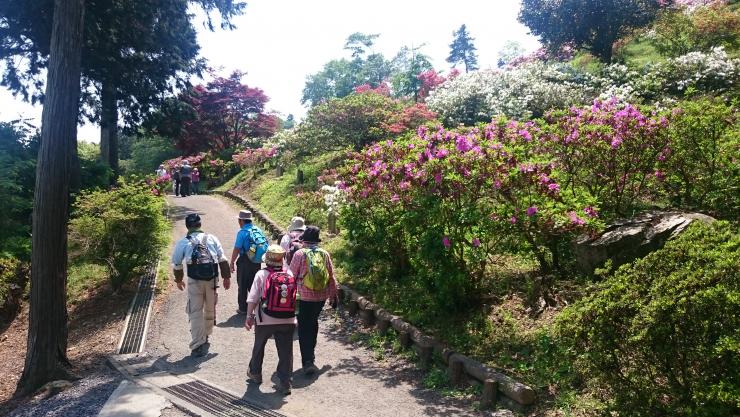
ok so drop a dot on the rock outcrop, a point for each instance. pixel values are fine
(629, 239)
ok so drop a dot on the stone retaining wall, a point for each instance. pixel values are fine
(497, 387)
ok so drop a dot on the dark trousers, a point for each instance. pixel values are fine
(185, 187)
(283, 334)
(245, 272)
(177, 187)
(308, 329)
(195, 187)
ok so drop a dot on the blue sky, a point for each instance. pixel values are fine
(279, 42)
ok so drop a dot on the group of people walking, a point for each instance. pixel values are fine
(185, 178)
(280, 287)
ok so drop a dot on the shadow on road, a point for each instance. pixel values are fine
(186, 365)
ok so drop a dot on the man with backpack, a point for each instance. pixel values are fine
(204, 257)
(291, 241)
(273, 298)
(313, 269)
(249, 248)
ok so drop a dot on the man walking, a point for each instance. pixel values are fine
(313, 269)
(204, 257)
(249, 248)
(176, 180)
(185, 178)
(273, 298)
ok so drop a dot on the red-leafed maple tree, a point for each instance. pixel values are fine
(217, 116)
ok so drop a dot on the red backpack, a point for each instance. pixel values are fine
(278, 298)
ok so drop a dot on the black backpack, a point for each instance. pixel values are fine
(202, 266)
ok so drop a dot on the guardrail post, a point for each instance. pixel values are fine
(490, 392)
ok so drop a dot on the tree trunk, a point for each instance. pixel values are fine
(47, 330)
(109, 125)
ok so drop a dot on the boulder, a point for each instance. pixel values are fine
(628, 239)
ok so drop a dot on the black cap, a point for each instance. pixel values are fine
(192, 220)
(311, 235)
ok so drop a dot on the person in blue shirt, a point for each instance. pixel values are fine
(245, 268)
(202, 284)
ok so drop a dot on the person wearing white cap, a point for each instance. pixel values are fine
(291, 241)
(246, 258)
(272, 309)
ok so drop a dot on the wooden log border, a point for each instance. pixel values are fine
(515, 395)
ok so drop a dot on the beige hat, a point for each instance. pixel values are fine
(245, 215)
(274, 256)
(297, 223)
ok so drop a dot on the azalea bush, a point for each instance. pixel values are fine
(123, 229)
(609, 149)
(660, 336)
(525, 91)
(702, 164)
(254, 158)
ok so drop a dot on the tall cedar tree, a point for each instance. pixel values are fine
(134, 51)
(462, 50)
(46, 352)
(591, 24)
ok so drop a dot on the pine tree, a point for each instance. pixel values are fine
(462, 50)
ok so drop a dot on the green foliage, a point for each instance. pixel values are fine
(702, 160)
(94, 173)
(123, 228)
(661, 335)
(678, 32)
(84, 277)
(356, 121)
(14, 275)
(595, 25)
(18, 150)
(462, 50)
(147, 152)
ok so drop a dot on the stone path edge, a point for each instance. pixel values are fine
(516, 395)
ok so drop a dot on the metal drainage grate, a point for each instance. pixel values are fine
(217, 402)
(137, 320)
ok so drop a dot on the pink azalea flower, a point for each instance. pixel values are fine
(590, 212)
(438, 178)
(531, 211)
(446, 242)
(512, 220)
(476, 242)
(575, 219)
(553, 187)
(395, 198)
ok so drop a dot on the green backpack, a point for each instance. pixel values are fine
(317, 275)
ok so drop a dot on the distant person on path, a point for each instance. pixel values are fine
(291, 241)
(195, 180)
(314, 271)
(204, 257)
(273, 298)
(176, 180)
(251, 244)
(186, 178)
(161, 172)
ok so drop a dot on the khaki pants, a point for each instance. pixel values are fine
(201, 309)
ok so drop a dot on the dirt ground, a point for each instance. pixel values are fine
(95, 328)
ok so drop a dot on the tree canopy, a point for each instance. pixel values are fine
(462, 50)
(594, 25)
(216, 116)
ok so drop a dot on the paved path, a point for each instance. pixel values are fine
(351, 382)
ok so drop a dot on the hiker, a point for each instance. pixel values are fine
(176, 180)
(195, 180)
(161, 172)
(204, 257)
(273, 297)
(291, 241)
(314, 272)
(251, 244)
(185, 178)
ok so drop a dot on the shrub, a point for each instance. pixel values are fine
(123, 228)
(678, 32)
(701, 166)
(14, 276)
(525, 91)
(661, 335)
